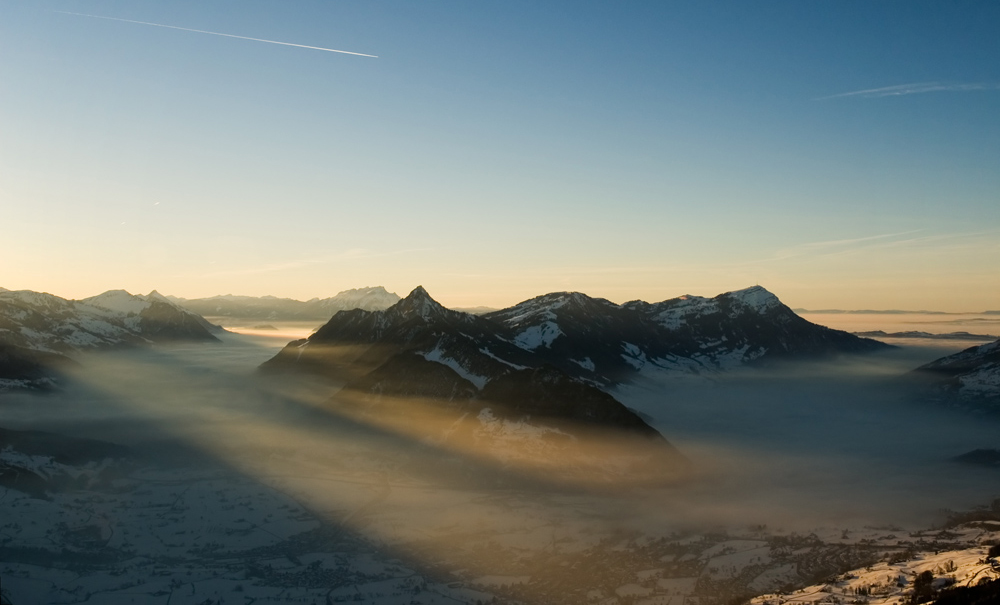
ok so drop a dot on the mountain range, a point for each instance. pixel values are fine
(590, 339)
(925, 335)
(287, 309)
(40, 333)
(543, 366)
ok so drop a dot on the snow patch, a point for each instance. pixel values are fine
(513, 431)
(687, 306)
(485, 351)
(757, 298)
(983, 381)
(536, 336)
(438, 356)
(634, 356)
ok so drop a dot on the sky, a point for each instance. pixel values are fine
(843, 154)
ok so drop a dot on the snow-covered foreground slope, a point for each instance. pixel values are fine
(928, 572)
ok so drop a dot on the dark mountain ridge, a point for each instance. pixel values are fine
(588, 338)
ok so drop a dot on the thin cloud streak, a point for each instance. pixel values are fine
(933, 243)
(201, 31)
(912, 89)
(857, 240)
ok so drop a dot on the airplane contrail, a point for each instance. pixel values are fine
(201, 31)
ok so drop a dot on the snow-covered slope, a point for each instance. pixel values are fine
(155, 316)
(969, 378)
(924, 577)
(38, 330)
(595, 339)
(43, 322)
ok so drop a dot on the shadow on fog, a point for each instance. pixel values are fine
(796, 446)
(199, 407)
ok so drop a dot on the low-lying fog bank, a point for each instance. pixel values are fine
(828, 448)
(816, 443)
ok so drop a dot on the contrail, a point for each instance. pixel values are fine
(201, 31)
(912, 89)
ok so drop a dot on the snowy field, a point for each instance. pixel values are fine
(241, 491)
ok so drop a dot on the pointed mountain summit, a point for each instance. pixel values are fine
(358, 341)
(419, 303)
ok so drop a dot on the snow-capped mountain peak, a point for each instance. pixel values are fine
(371, 298)
(118, 300)
(754, 297)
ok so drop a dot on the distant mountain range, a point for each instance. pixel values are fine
(968, 379)
(587, 338)
(891, 312)
(926, 335)
(39, 333)
(286, 309)
(541, 365)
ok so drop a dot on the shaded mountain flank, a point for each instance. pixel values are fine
(969, 379)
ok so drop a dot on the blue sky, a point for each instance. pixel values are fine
(496, 151)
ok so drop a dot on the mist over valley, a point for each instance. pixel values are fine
(388, 467)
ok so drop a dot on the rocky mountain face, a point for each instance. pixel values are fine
(39, 332)
(968, 379)
(286, 309)
(541, 365)
(588, 338)
(597, 340)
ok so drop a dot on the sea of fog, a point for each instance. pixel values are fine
(798, 446)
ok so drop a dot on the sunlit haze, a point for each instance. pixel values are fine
(842, 154)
